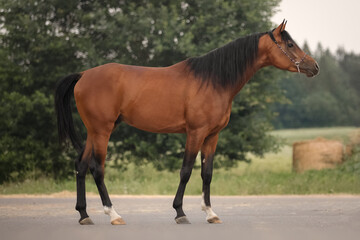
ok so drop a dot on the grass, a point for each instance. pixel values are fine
(269, 175)
(336, 133)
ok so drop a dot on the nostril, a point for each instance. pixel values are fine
(317, 66)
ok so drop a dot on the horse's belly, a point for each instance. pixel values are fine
(155, 117)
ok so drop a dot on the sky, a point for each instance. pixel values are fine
(333, 23)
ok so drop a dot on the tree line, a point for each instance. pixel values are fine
(330, 99)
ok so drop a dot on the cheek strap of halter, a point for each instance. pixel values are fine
(297, 63)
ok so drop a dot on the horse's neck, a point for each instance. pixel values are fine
(260, 62)
(249, 73)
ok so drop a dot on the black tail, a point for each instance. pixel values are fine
(64, 91)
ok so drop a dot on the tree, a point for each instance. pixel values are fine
(33, 56)
(350, 63)
(42, 41)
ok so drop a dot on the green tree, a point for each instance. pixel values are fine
(42, 41)
(33, 56)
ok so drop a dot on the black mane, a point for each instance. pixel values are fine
(226, 65)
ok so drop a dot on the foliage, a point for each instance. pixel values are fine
(41, 41)
(330, 99)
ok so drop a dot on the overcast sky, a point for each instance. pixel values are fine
(334, 23)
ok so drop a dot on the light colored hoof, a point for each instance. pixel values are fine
(86, 221)
(118, 221)
(215, 219)
(182, 220)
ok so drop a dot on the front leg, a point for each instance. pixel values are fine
(207, 158)
(193, 143)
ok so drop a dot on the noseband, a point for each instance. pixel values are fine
(297, 63)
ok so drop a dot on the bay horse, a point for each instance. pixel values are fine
(192, 97)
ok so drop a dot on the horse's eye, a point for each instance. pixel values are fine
(290, 45)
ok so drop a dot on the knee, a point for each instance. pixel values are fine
(206, 174)
(185, 175)
(206, 177)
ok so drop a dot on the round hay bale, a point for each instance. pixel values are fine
(317, 154)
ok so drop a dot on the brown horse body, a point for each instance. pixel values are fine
(164, 100)
(175, 93)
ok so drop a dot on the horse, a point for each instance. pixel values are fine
(193, 97)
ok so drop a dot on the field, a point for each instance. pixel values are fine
(269, 175)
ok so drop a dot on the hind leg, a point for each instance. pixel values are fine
(96, 165)
(98, 107)
(81, 167)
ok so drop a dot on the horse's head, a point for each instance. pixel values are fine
(284, 53)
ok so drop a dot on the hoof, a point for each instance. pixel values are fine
(118, 221)
(182, 220)
(86, 221)
(214, 220)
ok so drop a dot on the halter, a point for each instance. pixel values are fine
(297, 63)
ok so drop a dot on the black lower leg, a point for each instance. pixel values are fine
(185, 174)
(178, 201)
(81, 167)
(81, 201)
(97, 170)
(206, 175)
(105, 199)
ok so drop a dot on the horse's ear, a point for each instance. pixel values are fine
(284, 25)
(280, 28)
